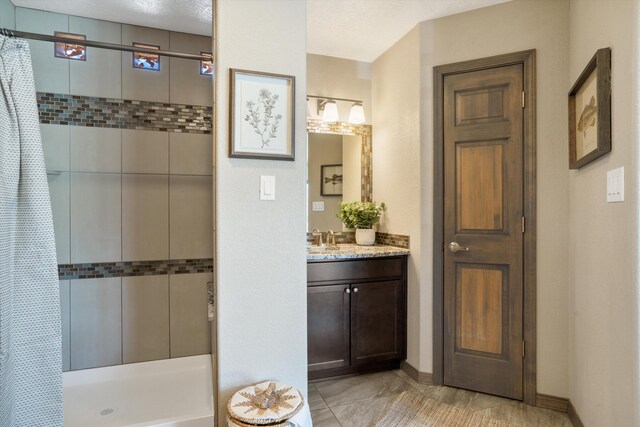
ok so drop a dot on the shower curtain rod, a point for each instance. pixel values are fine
(103, 45)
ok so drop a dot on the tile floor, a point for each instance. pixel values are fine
(359, 401)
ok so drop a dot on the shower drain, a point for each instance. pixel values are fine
(107, 411)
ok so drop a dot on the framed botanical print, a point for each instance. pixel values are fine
(331, 179)
(590, 112)
(262, 115)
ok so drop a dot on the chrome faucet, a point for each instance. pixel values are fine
(318, 234)
(331, 240)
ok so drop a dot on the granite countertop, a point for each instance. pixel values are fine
(352, 251)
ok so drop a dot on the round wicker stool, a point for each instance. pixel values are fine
(270, 404)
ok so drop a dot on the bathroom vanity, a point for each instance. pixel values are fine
(357, 309)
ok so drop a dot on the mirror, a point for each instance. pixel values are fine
(339, 169)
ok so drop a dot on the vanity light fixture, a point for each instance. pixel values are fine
(330, 112)
(328, 109)
(356, 114)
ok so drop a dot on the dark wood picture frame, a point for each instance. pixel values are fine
(290, 125)
(601, 65)
(322, 192)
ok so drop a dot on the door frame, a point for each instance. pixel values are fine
(527, 59)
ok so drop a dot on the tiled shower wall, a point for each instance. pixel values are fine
(129, 157)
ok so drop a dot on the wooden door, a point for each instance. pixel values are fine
(483, 230)
(328, 326)
(377, 319)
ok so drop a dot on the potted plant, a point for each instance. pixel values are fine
(362, 216)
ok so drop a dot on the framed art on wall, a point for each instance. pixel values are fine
(590, 112)
(262, 115)
(331, 179)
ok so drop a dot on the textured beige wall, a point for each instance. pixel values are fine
(403, 155)
(604, 237)
(352, 161)
(397, 172)
(260, 260)
(342, 78)
(324, 149)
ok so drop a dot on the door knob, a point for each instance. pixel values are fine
(355, 290)
(347, 291)
(455, 247)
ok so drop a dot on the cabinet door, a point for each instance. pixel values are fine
(377, 322)
(328, 326)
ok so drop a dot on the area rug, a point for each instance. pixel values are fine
(413, 409)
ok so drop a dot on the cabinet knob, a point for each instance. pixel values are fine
(348, 291)
(355, 290)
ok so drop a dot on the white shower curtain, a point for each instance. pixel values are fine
(30, 335)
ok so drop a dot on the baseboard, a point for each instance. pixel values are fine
(417, 376)
(560, 404)
(554, 403)
(573, 415)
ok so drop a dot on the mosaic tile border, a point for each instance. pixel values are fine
(366, 156)
(134, 268)
(75, 110)
(366, 169)
(336, 128)
(341, 237)
(386, 239)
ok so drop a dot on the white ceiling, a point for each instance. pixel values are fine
(363, 29)
(355, 29)
(189, 16)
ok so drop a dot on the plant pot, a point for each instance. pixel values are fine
(365, 236)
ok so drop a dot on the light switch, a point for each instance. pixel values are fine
(318, 206)
(267, 187)
(615, 185)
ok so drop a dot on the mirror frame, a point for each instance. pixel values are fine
(366, 155)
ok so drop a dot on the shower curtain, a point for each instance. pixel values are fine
(30, 333)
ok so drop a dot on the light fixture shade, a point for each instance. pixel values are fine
(330, 112)
(356, 115)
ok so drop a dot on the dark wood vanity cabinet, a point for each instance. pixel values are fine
(356, 315)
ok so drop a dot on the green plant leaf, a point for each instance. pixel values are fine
(360, 214)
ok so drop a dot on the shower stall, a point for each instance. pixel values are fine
(124, 114)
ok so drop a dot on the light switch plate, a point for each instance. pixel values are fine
(267, 187)
(318, 206)
(615, 185)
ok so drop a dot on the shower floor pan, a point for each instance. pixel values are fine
(164, 393)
